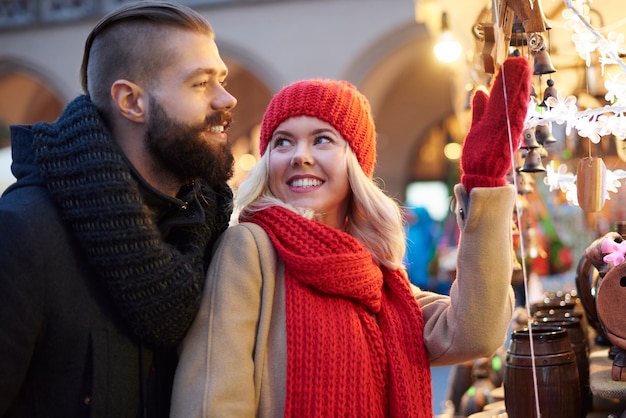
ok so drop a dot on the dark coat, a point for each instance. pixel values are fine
(64, 349)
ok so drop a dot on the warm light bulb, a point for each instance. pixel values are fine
(448, 49)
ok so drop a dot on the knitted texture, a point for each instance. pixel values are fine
(486, 156)
(156, 285)
(338, 103)
(354, 333)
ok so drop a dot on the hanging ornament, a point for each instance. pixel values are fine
(550, 91)
(544, 134)
(591, 184)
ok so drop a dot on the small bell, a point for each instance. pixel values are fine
(530, 138)
(543, 64)
(532, 162)
(543, 134)
(550, 91)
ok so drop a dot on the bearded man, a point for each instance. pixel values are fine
(108, 231)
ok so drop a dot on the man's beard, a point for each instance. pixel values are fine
(185, 150)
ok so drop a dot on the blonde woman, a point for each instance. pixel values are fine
(307, 310)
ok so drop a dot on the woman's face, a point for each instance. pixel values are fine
(308, 168)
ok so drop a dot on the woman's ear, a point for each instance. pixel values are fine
(129, 100)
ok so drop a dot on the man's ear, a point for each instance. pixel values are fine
(129, 100)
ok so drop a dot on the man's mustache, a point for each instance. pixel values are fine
(221, 117)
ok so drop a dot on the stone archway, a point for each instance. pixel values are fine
(253, 96)
(24, 98)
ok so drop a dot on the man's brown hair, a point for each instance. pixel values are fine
(128, 43)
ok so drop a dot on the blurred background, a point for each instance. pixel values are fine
(387, 49)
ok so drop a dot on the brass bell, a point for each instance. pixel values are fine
(543, 134)
(530, 138)
(532, 162)
(543, 64)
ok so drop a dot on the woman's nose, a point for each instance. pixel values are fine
(302, 155)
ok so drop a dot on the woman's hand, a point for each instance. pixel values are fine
(486, 156)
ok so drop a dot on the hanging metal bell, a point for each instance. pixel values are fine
(550, 91)
(530, 138)
(543, 134)
(543, 63)
(532, 162)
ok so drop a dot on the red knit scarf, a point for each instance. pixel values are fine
(354, 333)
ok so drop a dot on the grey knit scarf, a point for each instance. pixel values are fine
(156, 285)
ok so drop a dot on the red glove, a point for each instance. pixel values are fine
(486, 156)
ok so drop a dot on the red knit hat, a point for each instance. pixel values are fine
(338, 103)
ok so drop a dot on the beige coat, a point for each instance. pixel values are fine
(233, 360)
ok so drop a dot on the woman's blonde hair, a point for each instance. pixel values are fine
(373, 218)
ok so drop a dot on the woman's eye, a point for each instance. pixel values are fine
(202, 83)
(281, 142)
(323, 140)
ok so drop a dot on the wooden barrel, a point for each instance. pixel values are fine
(546, 304)
(558, 385)
(581, 350)
(566, 313)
